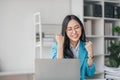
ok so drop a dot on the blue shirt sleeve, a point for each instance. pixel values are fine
(54, 50)
(90, 70)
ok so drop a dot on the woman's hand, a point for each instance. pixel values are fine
(89, 48)
(60, 39)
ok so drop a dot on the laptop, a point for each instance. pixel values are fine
(57, 69)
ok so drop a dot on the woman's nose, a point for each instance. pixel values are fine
(73, 31)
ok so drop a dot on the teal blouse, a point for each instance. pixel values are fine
(85, 70)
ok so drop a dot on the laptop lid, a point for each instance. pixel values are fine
(57, 69)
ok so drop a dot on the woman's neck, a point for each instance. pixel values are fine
(73, 43)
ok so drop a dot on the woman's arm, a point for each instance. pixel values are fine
(90, 66)
(60, 41)
(58, 49)
(90, 59)
(89, 49)
(60, 52)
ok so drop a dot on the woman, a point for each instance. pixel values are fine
(72, 44)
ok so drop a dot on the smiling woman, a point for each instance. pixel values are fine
(72, 44)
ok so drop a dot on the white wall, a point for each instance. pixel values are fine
(16, 35)
(17, 51)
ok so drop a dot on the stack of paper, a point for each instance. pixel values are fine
(112, 73)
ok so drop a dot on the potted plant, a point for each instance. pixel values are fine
(119, 31)
(116, 30)
(114, 57)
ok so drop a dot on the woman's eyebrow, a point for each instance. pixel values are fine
(76, 25)
(72, 27)
(69, 27)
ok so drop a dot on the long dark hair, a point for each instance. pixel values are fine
(66, 50)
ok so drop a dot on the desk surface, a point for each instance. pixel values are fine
(7, 73)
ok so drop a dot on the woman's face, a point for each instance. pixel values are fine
(73, 30)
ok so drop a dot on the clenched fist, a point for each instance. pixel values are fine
(60, 39)
(89, 48)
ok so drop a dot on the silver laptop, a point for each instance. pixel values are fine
(57, 69)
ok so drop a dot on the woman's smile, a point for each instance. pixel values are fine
(75, 36)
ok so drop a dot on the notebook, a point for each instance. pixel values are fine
(57, 69)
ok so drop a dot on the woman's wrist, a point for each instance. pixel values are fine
(90, 60)
(60, 45)
(90, 57)
(60, 51)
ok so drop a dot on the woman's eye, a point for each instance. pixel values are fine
(69, 29)
(77, 27)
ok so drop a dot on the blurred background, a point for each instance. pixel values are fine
(28, 28)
